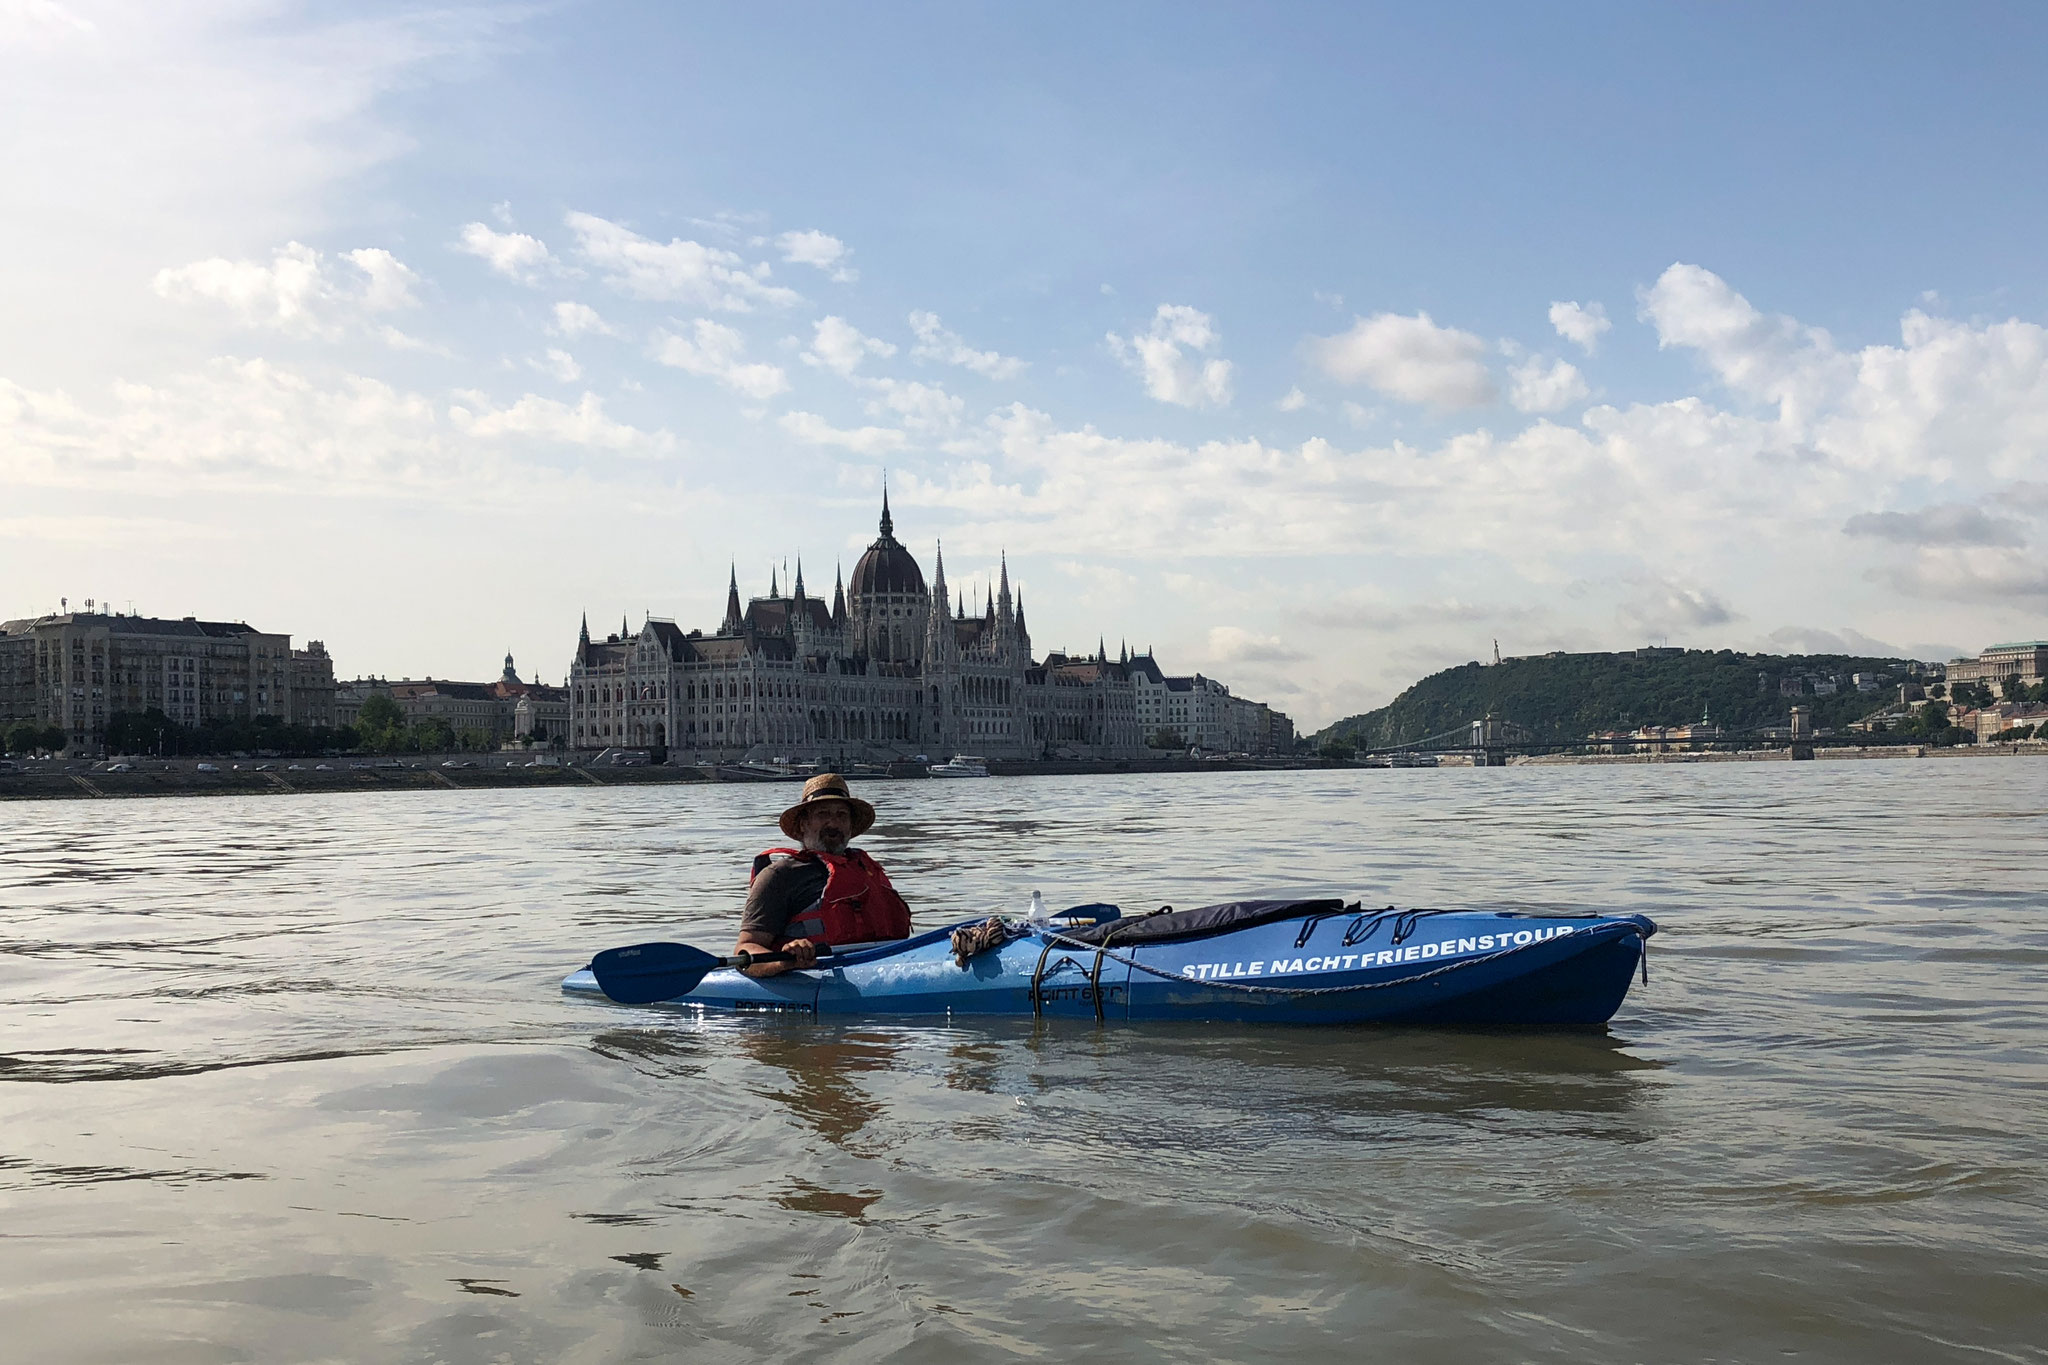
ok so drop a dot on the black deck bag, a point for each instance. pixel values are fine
(1172, 926)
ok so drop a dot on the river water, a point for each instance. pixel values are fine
(290, 1079)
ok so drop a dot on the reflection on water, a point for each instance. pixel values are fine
(333, 1068)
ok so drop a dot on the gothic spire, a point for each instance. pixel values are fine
(888, 523)
(938, 631)
(838, 597)
(774, 591)
(583, 637)
(732, 601)
(799, 593)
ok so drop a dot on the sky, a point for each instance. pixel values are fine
(1314, 348)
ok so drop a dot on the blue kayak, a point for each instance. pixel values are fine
(1282, 962)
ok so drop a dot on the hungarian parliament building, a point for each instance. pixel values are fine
(885, 671)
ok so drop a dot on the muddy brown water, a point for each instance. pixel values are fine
(290, 1079)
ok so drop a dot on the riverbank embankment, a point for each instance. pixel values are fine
(55, 781)
(1818, 754)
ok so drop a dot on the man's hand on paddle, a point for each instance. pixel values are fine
(803, 953)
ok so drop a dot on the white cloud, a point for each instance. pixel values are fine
(814, 248)
(677, 271)
(812, 429)
(1948, 524)
(837, 345)
(1953, 402)
(1663, 608)
(1534, 386)
(936, 343)
(1975, 574)
(715, 351)
(1410, 358)
(299, 292)
(1233, 644)
(574, 319)
(139, 134)
(1160, 354)
(922, 407)
(1580, 324)
(514, 255)
(559, 364)
(545, 419)
(1293, 401)
(1814, 640)
(250, 425)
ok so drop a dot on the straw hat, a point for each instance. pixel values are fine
(827, 787)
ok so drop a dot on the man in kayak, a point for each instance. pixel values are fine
(820, 891)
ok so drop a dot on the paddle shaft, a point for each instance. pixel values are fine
(743, 960)
(648, 972)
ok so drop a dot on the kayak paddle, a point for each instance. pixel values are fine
(647, 972)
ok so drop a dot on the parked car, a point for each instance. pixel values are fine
(120, 767)
(261, 768)
(322, 768)
(457, 763)
(295, 768)
(207, 768)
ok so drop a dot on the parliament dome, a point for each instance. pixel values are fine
(887, 567)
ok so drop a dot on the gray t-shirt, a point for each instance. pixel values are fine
(785, 889)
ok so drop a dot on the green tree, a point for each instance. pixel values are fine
(380, 712)
(52, 738)
(1338, 751)
(22, 736)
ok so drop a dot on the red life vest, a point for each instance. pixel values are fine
(857, 905)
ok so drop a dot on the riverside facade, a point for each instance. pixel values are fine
(76, 670)
(886, 670)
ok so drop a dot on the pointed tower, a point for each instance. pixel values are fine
(941, 645)
(888, 527)
(774, 591)
(1023, 631)
(798, 591)
(838, 598)
(511, 674)
(940, 723)
(733, 620)
(583, 636)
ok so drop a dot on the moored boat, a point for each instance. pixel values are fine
(1273, 961)
(960, 765)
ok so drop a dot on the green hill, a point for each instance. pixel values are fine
(1565, 696)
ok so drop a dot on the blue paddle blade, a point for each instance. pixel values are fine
(647, 972)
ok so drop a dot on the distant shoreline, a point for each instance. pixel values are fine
(1875, 751)
(85, 785)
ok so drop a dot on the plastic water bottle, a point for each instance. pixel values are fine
(1036, 913)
